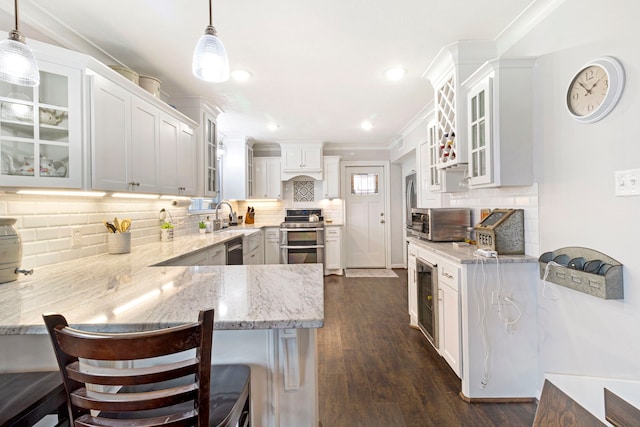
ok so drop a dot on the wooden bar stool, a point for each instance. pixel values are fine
(183, 389)
(27, 397)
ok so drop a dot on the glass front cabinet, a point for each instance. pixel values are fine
(499, 123)
(40, 130)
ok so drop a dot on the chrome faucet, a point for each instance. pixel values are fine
(224, 203)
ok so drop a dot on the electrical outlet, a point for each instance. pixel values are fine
(76, 237)
(627, 182)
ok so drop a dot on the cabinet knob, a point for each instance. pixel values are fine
(382, 221)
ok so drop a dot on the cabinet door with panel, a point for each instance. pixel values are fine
(216, 255)
(333, 250)
(111, 135)
(268, 184)
(412, 284)
(499, 107)
(169, 130)
(144, 156)
(449, 314)
(301, 157)
(186, 161)
(272, 245)
(40, 127)
(331, 174)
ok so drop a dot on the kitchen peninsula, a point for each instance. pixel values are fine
(265, 315)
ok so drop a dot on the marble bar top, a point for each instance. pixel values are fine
(465, 254)
(125, 292)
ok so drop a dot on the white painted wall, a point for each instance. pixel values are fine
(574, 166)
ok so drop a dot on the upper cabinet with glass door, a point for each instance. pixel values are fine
(453, 64)
(40, 130)
(499, 103)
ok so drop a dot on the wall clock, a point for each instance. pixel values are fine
(595, 89)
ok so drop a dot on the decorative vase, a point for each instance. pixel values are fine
(166, 234)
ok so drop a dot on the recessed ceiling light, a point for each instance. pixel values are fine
(241, 75)
(395, 74)
(273, 126)
(366, 125)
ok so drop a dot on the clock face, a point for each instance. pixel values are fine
(595, 89)
(587, 90)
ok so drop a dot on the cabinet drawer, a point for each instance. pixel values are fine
(448, 275)
(332, 231)
(412, 251)
(272, 234)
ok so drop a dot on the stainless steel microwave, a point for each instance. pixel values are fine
(440, 224)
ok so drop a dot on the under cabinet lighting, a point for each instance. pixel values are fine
(135, 196)
(62, 193)
(175, 197)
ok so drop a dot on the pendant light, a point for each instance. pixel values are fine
(18, 66)
(210, 60)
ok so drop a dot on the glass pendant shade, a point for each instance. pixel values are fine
(210, 60)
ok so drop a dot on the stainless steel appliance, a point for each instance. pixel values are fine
(427, 281)
(234, 251)
(302, 237)
(440, 224)
(411, 196)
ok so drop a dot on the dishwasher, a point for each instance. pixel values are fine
(234, 251)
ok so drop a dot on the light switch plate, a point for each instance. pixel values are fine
(627, 182)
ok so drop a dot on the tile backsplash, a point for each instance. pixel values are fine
(47, 223)
(524, 197)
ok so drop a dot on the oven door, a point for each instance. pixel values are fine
(301, 245)
(301, 254)
(427, 276)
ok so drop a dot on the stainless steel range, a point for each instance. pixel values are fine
(302, 237)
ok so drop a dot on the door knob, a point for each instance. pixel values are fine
(381, 213)
(382, 221)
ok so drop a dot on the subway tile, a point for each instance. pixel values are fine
(34, 248)
(58, 244)
(48, 258)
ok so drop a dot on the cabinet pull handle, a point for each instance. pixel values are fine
(447, 275)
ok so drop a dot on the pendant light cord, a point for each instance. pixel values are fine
(210, 14)
(15, 7)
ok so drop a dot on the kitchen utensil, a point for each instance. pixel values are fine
(109, 226)
(125, 224)
(116, 223)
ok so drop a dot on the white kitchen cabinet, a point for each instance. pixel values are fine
(449, 315)
(252, 248)
(412, 285)
(486, 310)
(331, 181)
(237, 169)
(40, 128)
(333, 250)
(111, 135)
(217, 255)
(453, 64)
(177, 157)
(272, 245)
(301, 159)
(267, 181)
(128, 127)
(207, 164)
(499, 96)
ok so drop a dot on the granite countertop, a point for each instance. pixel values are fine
(465, 254)
(127, 293)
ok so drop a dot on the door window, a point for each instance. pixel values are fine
(364, 184)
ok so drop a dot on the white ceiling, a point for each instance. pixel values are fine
(317, 65)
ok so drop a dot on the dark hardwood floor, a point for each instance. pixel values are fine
(374, 370)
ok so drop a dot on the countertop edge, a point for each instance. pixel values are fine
(466, 256)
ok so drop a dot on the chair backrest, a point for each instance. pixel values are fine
(107, 372)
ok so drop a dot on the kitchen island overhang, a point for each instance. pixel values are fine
(266, 316)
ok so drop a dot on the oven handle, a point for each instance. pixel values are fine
(303, 247)
(301, 229)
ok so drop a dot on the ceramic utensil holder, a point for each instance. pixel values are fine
(119, 243)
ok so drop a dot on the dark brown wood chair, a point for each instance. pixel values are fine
(130, 392)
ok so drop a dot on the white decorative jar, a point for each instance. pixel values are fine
(119, 243)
